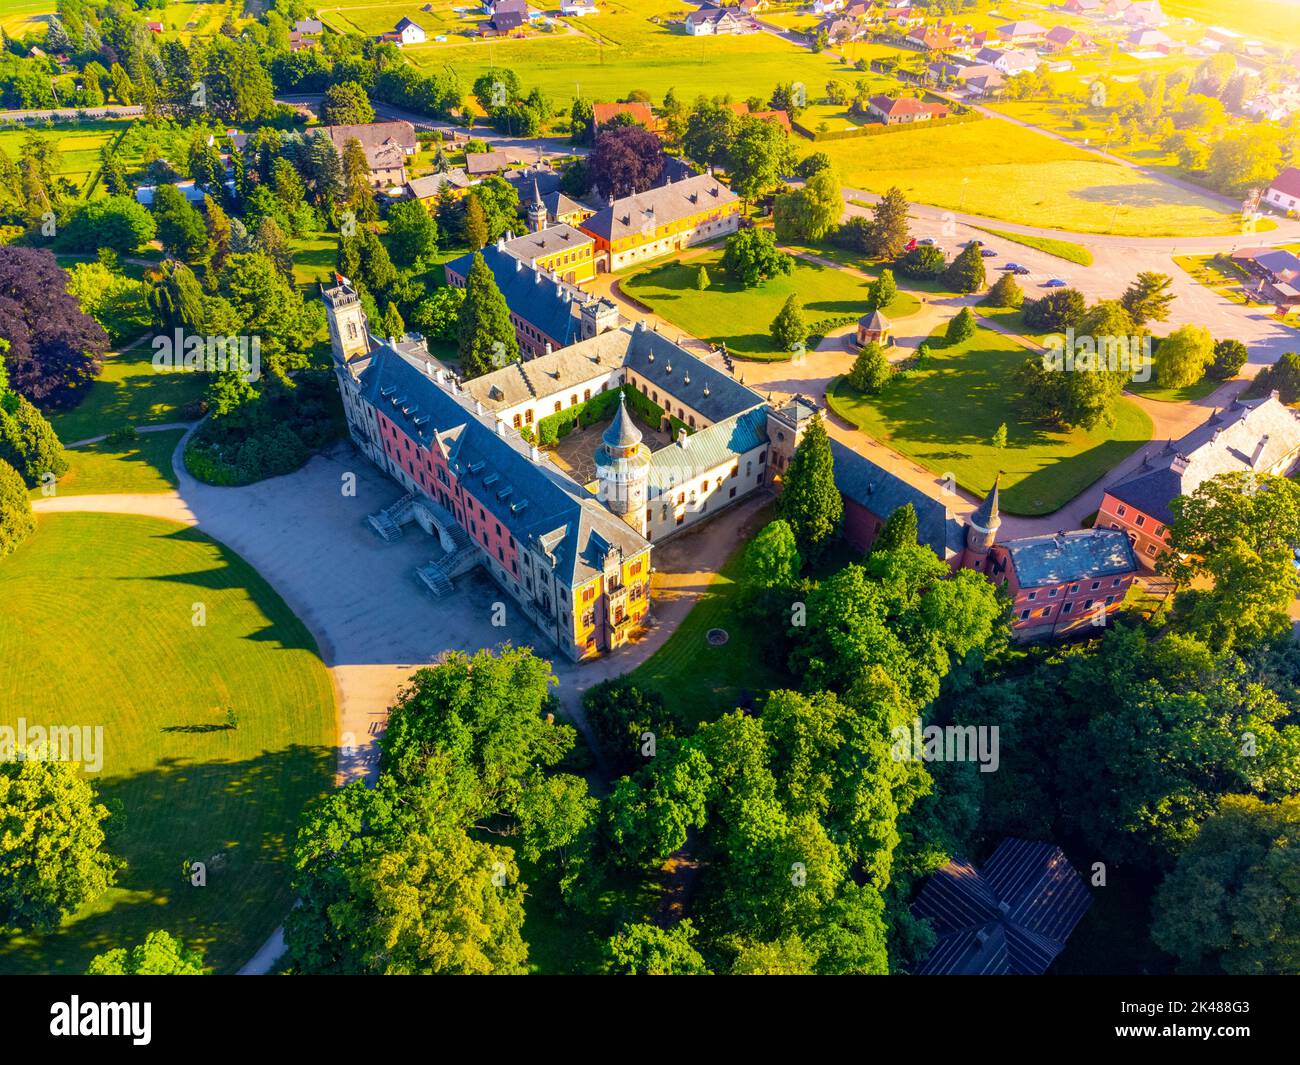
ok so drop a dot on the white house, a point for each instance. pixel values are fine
(578, 8)
(1284, 192)
(407, 32)
(825, 7)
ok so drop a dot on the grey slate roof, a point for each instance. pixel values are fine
(548, 241)
(1082, 554)
(422, 188)
(692, 381)
(1225, 444)
(622, 431)
(658, 207)
(986, 515)
(1011, 917)
(881, 492)
(535, 501)
(557, 204)
(543, 301)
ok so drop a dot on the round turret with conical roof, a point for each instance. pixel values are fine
(623, 467)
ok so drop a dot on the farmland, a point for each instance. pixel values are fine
(22, 16)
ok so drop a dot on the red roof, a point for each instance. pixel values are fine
(602, 113)
(1287, 182)
(906, 105)
(777, 116)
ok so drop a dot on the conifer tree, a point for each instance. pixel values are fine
(487, 338)
(810, 502)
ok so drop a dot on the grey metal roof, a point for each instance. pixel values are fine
(689, 379)
(1079, 555)
(709, 448)
(1011, 917)
(881, 492)
(554, 238)
(544, 302)
(622, 431)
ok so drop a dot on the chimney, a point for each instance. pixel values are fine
(501, 427)
(519, 265)
(392, 342)
(548, 347)
(501, 243)
(681, 437)
(478, 406)
(1259, 451)
(534, 454)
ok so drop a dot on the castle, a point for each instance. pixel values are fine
(576, 557)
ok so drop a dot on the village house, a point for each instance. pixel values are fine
(604, 113)
(387, 146)
(716, 21)
(309, 27)
(1146, 14)
(929, 40)
(893, 112)
(661, 220)
(781, 118)
(826, 7)
(484, 164)
(430, 186)
(1143, 40)
(1021, 32)
(1259, 437)
(404, 33)
(1059, 38)
(1276, 273)
(1284, 191)
(1081, 7)
(578, 8)
(840, 30)
(1010, 62)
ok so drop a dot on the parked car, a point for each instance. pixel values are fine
(930, 241)
(1011, 266)
(1053, 282)
(910, 245)
(988, 253)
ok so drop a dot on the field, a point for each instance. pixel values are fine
(79, 147)
(374, 19)
(1062, 249)
(21, 17)
(129, 391)
(944, 416)
(139, 466)
(1260, 20)
(995, 169)
(621, 50)
(98, 630)
(740, 316)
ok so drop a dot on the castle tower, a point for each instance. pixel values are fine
(623, 468)
(982, 529)
(599, 315)
(536, 211)
(349, 329)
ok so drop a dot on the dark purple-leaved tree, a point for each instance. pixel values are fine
(54, 348)
(625, 160)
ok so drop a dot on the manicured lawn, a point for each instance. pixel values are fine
(944, 416)
(314, 259)
(142, 465)
(995, 169)
(98, 630)
(704, 681)
(129, 391)
(22, 17)
(1152, 390)
(725, 311)
(906, 301)
(1062, 249)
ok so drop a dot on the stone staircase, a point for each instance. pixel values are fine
(437, 574)
(387, 523)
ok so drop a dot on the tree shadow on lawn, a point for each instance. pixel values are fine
(239, 818)
(1134, 195)
(1053, 486)
(283, 627)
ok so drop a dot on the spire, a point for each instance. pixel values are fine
(622, 432)
(986, 515)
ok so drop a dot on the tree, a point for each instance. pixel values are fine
(1148, 298)
(54, 347)
(355, 176)
(346, 104)
(752, 257)
(786, 957)
(487, 338)
(1229, 905)
(788, 328)
(180, 226)
(1240, 531)
(16, 520)
(437, 315)
(476, 232)
(625, 160)
(925, 262)
(52, 859)
(961, 327)
(1005, 292)
(813, 211)
(888, 231)
(500, 203)
(760, 154)
(809, 500)
(412, 234)
(871, 369)
(116, 222)
(1229, 357)
(900, 530)
(176, 298)
(648, 950)
(772, 558)
(1241, 160)
(883, 291)
(28, 442)
(701, 279)
(966, 272)
(1182, 357)
(620, 714)
(1000, 436)
(159, 955)
(1283, 377)
(1055, 312)
(267, 305)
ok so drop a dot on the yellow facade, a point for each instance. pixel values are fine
(574, 265)
(603, 618)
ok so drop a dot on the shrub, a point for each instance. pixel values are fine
(619, 713)
(923, 263)
(16, 521)
(1005, 292)
(28, 443)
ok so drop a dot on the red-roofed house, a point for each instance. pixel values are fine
(603, 114)
(904, 109)
(779, 117)
(929, 39)
(1284, 192)
(1061, 37)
